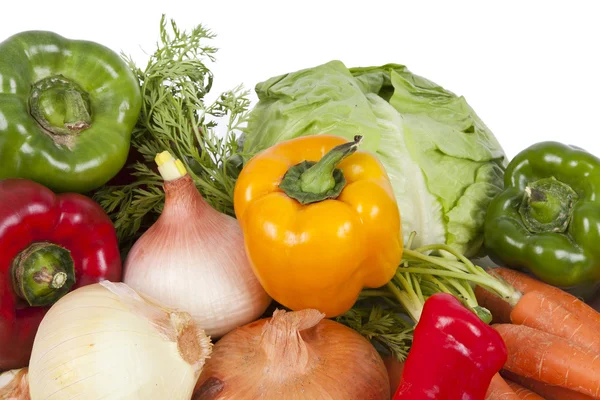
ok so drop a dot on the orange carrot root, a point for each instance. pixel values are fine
(526, 284)
(499, 390)
(550, 359)
(546, 391)
(545, 314)
(523, 393)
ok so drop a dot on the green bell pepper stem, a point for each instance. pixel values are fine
(547, 218)
(547, 206)
(60, 106)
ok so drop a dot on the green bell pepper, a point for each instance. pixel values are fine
(547, 219)
(67, 110)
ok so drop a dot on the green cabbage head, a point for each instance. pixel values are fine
(445, 165)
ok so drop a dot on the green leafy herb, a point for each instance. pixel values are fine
(387, 330)
(175, 117)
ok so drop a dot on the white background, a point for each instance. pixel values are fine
(530, 69)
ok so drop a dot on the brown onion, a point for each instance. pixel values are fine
(293, 355)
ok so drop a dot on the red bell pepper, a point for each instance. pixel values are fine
(49, 245)
(454, 354)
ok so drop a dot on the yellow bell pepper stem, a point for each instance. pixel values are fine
(319, 178)
(314, 181)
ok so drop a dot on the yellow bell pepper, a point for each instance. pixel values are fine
(320, 222)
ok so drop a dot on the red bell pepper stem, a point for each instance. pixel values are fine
(49, 245)
(42, 273)
(454, 354)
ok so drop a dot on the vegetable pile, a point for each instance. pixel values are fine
(326, 246)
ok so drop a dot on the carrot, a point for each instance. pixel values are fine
(523, 393)
(526, 284)
(550, 359)
(543, 313)
(548, 392)
(499, 390)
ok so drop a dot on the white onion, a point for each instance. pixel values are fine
(104, 341)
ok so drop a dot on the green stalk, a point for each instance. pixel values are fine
(457, 265)
(410, 289)
(467, 263)
(415, 262)
(410, 240)
(428, 259)
(469, 289)
(407, 298)
(460, 290)
(438, 284)
(469, 299)
(508, 293)
(417, 286)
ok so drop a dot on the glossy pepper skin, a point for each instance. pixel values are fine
(454, 354)
(45, 239)
(67, 110)
(547, 219)
(318, 252)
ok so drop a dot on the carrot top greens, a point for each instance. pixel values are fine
(386, 315)
(176, 117)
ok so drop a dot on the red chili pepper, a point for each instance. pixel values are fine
(454, 354)
(49, 245)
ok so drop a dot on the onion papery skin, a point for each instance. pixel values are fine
(14, 385)
(315, 360)
(193, 258)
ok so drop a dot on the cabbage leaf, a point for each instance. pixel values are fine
(444, 163)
